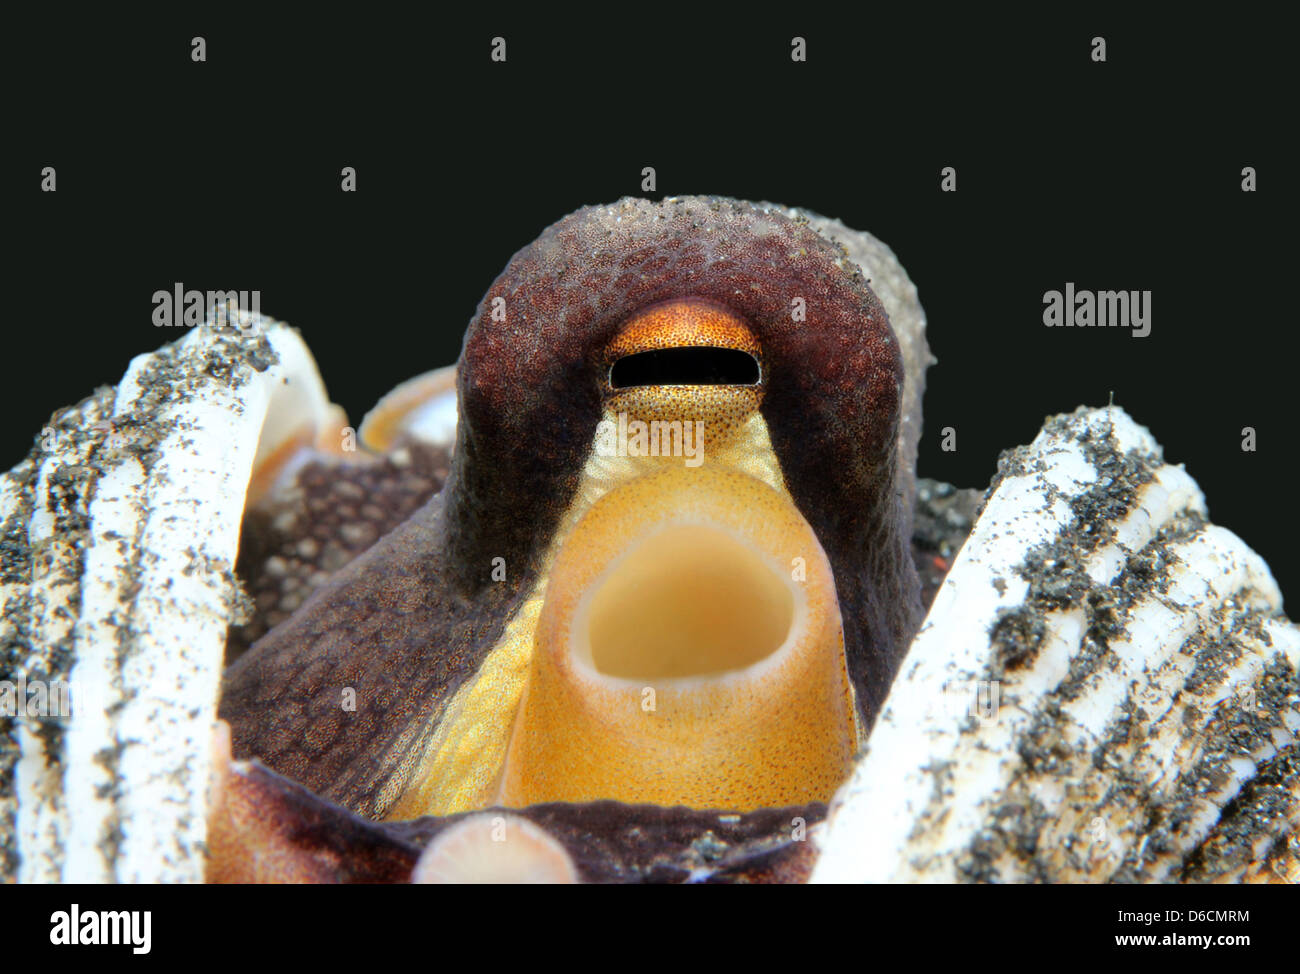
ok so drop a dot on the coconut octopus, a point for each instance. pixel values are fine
(631, 594)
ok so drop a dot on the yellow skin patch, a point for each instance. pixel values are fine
(782, 719)
(682, 703)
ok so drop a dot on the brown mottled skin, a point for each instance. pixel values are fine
(334, 513)
(271, 830)
(414, 616)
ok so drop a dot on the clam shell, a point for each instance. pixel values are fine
(1102, 673)
(121, 530)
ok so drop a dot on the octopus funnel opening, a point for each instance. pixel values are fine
(689, 601)
(689, 651)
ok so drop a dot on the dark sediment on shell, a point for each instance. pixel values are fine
(32, 576)
(1130, 717)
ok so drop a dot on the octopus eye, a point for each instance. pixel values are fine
(696, 365)
(685, 359)
(683, 342)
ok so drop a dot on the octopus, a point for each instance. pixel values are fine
(644, 588)
(660, 586)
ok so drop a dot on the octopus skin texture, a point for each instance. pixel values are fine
(498, 647)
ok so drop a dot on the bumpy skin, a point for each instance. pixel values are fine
(271, 830)
(411, 619)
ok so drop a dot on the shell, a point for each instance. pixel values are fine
(1103, 688)
(121, 530)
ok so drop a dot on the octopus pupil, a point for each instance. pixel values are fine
(692, 365)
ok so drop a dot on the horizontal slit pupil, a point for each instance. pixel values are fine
(696, 365)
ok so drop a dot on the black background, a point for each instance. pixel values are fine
(1122, 175)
